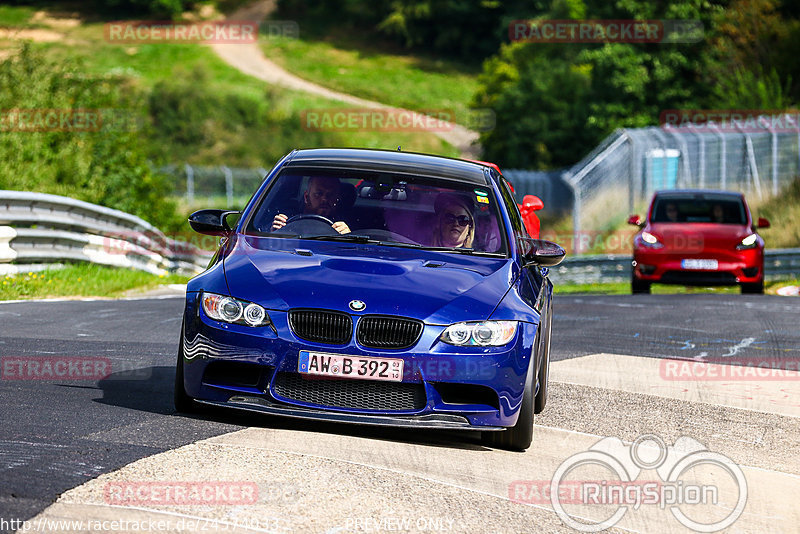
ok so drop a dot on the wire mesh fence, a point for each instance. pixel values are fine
(232, 186)
(220, 186)
(757, 156)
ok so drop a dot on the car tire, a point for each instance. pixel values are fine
(638, 286)
(183, 402)
(520, 436)
(756, 288)
(543, 375)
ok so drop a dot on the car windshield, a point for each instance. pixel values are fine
(381, 208)
(699, 209)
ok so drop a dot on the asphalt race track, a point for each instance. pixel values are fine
(63, 442)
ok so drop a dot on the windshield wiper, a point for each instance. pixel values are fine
(460, 250)
(463, 250)
(353, 238)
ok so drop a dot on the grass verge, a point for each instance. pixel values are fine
(405, 81)
(81, 280)
(624, 288)
(259, 143)
(783, 212)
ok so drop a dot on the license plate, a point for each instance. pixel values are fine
(340, 365)
(704, 265)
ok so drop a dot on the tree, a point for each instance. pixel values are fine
(555, 102)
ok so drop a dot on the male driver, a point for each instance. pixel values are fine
(321, 198)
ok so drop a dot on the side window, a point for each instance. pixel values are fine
(513, 210)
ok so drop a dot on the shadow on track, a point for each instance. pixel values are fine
(149, 389)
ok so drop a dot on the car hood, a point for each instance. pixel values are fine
(699, 236)
(438, 288)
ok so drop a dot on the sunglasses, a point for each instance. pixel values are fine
(461, 220)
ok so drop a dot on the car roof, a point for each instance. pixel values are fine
(696, 192)
(390, 161)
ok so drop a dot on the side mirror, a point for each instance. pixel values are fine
(532, 203)
(211, 222)
(541, 252)
(762, 223)
(635, 220)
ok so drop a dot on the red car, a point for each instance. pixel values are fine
(697, 237)
(530, 204)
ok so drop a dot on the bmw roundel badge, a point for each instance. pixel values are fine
(357, 305)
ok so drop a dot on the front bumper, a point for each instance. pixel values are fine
(665, 267)
(447, 387)
(429, 421)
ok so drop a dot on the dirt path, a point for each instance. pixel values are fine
(249, 59)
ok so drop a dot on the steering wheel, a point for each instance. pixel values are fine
(308, 224)
(310, 217)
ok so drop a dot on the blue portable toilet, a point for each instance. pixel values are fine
(662, 168)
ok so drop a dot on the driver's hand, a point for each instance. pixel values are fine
(341, 227)
(280, 221)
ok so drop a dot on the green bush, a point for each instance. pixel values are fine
(168, 8)
(466, 31)
(192, 122)
(106, 165)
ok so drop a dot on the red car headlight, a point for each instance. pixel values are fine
(750, 241)
(646, 239)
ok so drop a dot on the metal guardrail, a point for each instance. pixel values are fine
(39, 230)
(599, 268)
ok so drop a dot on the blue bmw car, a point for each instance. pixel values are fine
(373, 287)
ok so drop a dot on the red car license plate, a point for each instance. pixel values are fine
(701, 265)
(319, 363)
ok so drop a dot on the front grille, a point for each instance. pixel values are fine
(321, 326)
(385, 332)
(349, 393)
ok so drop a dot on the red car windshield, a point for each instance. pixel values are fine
(717, 209)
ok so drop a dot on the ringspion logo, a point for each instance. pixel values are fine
(593, 490)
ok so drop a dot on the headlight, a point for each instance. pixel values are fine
(231, 310)
(649, 240)
(483, 334)
(748, 242)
